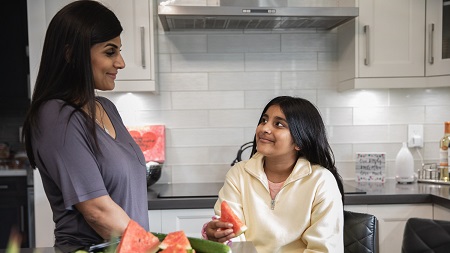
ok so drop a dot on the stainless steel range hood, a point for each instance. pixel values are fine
(251, 15)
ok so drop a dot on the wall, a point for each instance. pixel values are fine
(213, 86)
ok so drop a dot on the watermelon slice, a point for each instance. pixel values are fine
(177, 238)
(177, 249)
(136, 239)
(227, 215)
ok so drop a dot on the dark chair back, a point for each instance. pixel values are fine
(426, 235)
(360, 233)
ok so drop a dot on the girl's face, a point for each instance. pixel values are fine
(106, 60)
(273, 137)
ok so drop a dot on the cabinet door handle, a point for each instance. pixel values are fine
(430, 46)
(22, 218)
(367, 33)
(142, 30)
(4, 187)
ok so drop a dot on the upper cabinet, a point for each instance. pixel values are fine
(138, 19)
(438, 38)
(395, 44)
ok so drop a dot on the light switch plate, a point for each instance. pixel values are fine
(415, 136)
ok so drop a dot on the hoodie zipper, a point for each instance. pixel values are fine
(272, 202)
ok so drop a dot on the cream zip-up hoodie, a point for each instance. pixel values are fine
(305, 216)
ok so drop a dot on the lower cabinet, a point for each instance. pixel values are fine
(189, 220)
(392, 220)
(13, 210)
(441, 213)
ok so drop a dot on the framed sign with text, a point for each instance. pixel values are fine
(370, 167)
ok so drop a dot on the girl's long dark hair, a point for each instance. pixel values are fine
(308, 132)
(65, 70)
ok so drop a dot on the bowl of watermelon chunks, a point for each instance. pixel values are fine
(136, 239)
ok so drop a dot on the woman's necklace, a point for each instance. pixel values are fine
(102, 125)
(101, 117)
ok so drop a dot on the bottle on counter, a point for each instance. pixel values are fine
(404, 166)
(443, 152)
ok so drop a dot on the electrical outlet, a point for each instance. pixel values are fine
(415, 136)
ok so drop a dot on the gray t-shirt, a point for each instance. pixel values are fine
(71, 172)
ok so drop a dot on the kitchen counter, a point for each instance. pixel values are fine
(13, 172)
(236, 247)
(204, 195)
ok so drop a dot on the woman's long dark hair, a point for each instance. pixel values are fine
(308, 132)
(65, 70)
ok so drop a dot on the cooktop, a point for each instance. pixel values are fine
(205, 190)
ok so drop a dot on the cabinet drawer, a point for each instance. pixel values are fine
(401, 212)
(13, 186)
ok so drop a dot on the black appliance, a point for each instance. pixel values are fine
(14, 209)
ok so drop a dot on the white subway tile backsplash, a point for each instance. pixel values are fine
(358, 134)
(245, 81)
(164, 64)
(183, 81)
(435, 96)
(327, 61)
(214, 84)
(240, 43)
(280, 61)
(201, 155)
(259, 99)
(199, 173)
(205, 137)
(208, 100)
(353, 98)
(175, 118)
(388, 115)
(186, 43)
(437, 114)
(336, 115)
(312, 42)
(342, 152)
(207, 62)
(233, 118)
(308, 80)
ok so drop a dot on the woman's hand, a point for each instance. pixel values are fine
(219, 231)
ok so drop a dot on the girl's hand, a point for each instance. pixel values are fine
(219, 231)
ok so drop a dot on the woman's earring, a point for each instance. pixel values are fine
(297, 148)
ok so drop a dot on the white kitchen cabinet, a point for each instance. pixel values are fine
(392, 220)
(155, 222)
(438, 38)
(441, 213)
(388, 46)
(190, 221)
(138, 19)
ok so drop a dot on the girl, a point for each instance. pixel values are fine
(289, 194)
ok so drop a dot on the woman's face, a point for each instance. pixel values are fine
(273, 137)
(106, 60)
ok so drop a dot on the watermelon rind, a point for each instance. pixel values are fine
(201, 245)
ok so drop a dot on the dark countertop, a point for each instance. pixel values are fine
(204, 195)
(236, 247)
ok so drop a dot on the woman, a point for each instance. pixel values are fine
(289, 194)
(93, 172)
